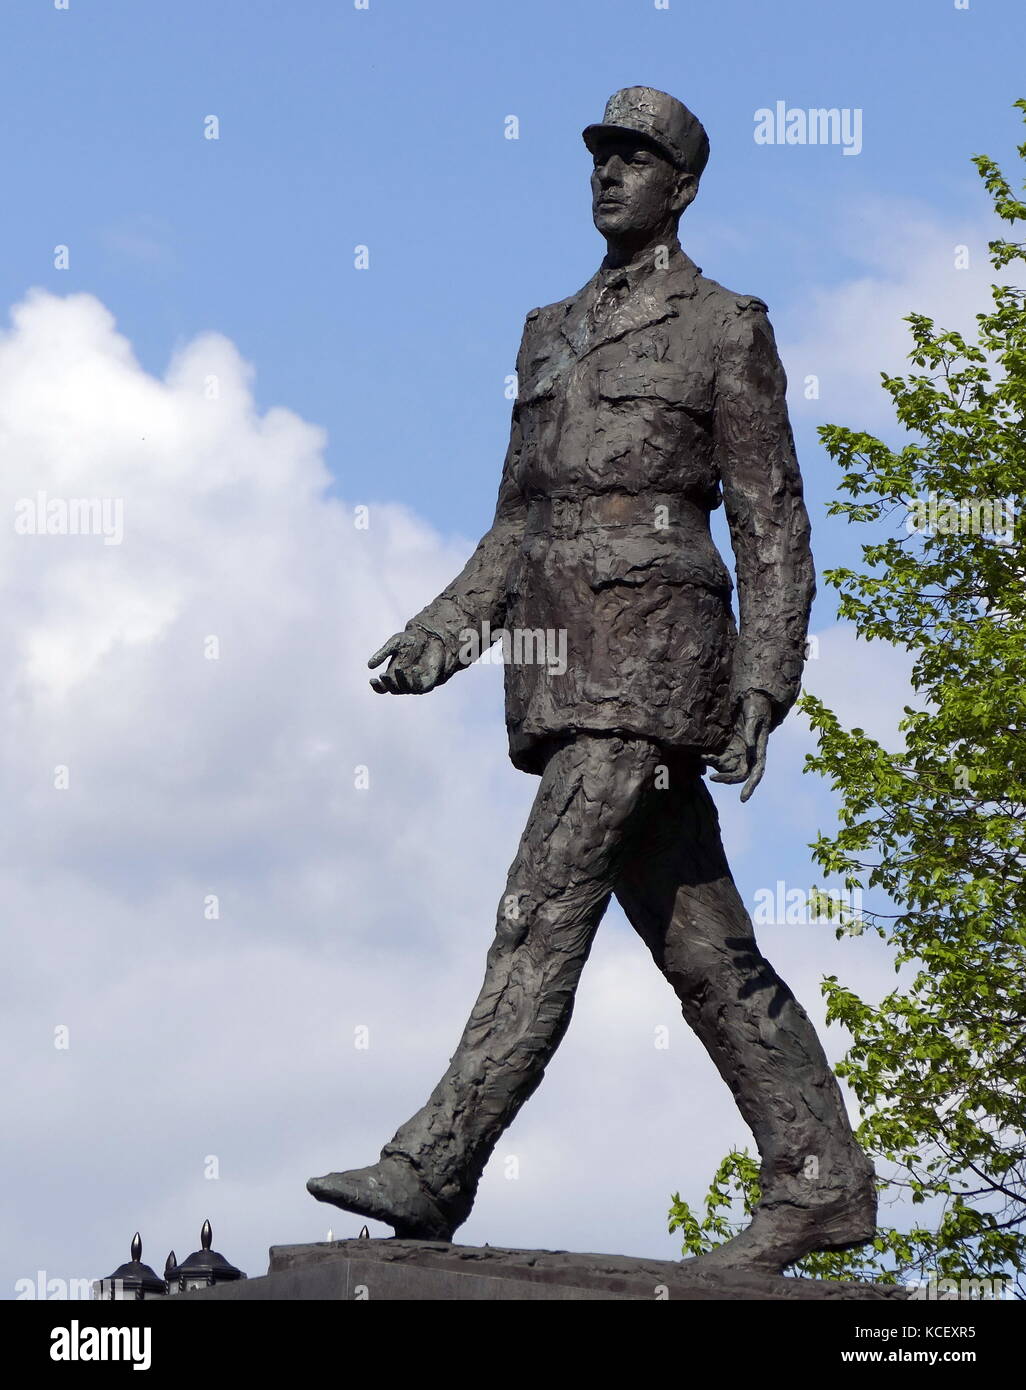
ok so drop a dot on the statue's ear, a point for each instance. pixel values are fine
(685, 190)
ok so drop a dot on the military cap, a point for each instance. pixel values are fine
(659, 117)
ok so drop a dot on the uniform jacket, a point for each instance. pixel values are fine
(643, 401)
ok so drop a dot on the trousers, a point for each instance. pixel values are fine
(620, 816)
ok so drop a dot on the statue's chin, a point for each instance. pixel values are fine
(611, 223)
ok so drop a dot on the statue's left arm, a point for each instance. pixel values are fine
(769, 525)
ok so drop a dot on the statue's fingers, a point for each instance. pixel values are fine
(729, 768)
(400, 680)
(754, 778)
(729, 777)
(389, 649)
(732, 760)
(384, 684)
(763, 743)
(758, 763)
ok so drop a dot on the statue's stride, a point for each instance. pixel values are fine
(643, 399)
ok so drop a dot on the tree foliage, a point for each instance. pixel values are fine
(936, 826)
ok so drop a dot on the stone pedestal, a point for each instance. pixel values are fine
(426, 1270)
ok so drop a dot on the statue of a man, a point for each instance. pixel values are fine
(643, 401)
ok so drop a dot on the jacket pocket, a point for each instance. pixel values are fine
(671, 385)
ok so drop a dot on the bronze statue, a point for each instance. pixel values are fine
(643, 400)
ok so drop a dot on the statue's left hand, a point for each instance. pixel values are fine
(745, 755)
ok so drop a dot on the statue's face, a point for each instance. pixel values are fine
(634, 188)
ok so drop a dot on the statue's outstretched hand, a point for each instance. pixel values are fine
(417, 663)
(744, 758)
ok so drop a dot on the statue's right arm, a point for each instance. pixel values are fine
(477, 596)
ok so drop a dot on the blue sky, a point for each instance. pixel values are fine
(383, 128)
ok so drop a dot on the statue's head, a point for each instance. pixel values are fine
(649, 152)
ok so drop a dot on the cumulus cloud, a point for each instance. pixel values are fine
(186, 712)
(846, 333)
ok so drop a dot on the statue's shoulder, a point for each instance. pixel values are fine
(538, 318)
(726, 304)
(539, 323)
(549, 316)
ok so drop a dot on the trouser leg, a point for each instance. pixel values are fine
(678, 893)
(558, 887)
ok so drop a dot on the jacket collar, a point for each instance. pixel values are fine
(651, 295)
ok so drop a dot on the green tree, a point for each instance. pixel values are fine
(937, 826)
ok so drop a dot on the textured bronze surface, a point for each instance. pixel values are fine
(644, 401)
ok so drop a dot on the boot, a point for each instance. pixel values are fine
(388, 1191)
(784, 1231)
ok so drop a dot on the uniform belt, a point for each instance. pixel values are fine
(653, 511)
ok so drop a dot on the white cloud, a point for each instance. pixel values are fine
(234, 777)
(848, 332)
(866, 684)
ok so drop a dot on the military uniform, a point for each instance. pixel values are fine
(627, 429)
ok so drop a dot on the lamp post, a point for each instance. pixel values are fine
(132, 1281)
(202, 1269)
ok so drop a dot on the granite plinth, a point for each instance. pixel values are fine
(356, 1270)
